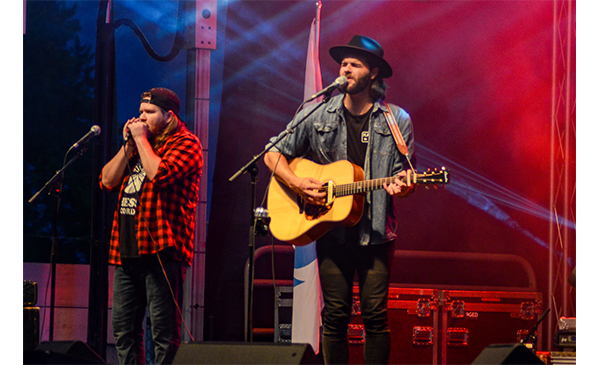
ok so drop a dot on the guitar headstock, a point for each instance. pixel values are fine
(434, 177)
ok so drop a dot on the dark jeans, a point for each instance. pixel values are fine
(338, 263)
(140, 284)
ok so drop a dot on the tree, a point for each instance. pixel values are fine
(58, 108)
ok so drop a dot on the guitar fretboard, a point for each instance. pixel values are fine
(360, 187)
(365, 186)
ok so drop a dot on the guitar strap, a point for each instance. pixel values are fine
(391, 120)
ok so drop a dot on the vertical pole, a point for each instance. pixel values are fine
(104, 114)
(562, 180)
(200, 40)
(567, 181)
(551, 236)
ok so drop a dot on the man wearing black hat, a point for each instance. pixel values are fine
(157, 171)
(353, 127)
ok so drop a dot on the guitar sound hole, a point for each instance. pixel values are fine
(313, 211)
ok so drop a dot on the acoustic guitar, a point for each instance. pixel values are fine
(299, 222)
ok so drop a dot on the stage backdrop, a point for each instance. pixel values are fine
(476, 78)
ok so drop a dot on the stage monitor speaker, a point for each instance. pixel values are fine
(31, 328)
(507, 354)
(245, 353)
(62, 352)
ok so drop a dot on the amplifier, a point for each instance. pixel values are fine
(565, 339)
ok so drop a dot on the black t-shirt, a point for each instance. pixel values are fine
(358, 136)
(128, 207)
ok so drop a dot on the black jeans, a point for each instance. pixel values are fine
(338, 264)
(140, 284)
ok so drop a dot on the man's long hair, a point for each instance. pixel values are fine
(173, 126)
(378, 88)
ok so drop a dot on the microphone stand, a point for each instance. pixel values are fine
(254, 214)
(531, 336)
(54, 187)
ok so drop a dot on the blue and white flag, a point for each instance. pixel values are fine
(308, 299)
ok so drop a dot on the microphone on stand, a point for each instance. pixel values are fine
(340, 82)
(94, 131)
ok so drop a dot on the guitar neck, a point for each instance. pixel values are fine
(361, 187)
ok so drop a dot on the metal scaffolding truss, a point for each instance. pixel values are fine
(561, 258)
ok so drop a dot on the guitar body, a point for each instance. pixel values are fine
(300, 223)
(292, 219)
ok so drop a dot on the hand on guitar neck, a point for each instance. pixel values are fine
(402, 186)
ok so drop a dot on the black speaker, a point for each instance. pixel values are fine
(507, 354)
(31, 328)
(244, 353)
(62, 352)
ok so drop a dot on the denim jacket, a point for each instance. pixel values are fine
(322, 138)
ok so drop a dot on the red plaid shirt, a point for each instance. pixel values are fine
(168, 201)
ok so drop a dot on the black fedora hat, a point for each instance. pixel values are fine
(367, 47)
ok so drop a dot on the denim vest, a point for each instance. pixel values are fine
(322, 138)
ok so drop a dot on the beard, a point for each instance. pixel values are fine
(360, 85)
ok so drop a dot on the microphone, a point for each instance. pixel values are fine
(341, 81)
(128, 136)
(94, 131)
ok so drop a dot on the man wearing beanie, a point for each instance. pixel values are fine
(353, 126)
(157, 173)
